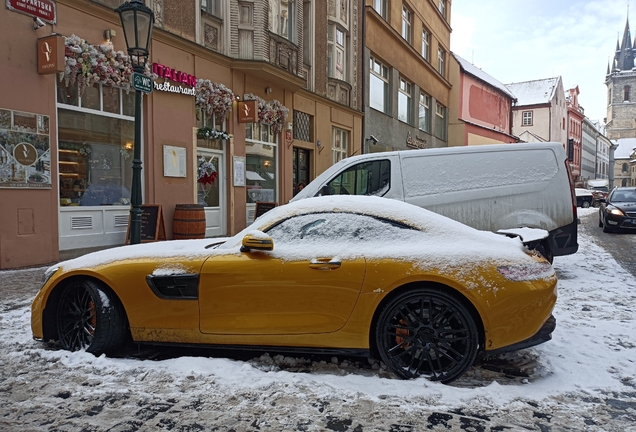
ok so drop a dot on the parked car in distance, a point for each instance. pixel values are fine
(619, 210)
(339, 274)
(584, 198)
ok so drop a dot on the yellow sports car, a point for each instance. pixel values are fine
(342, 274)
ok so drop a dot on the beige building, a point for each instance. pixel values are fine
(71, 192)
(407, 87)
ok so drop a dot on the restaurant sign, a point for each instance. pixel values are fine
(43, 9)
(247, 111)
(185, 83)
(415, 142)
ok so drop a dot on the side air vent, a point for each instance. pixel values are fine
(81, 222)
(121, 220)
(175, 287)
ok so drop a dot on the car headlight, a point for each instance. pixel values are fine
(48, 274)
(615, 211)
(526, 272)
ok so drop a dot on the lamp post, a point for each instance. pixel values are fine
(137, 21)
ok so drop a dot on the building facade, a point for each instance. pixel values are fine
(66, 138)
(481, 107)
(540, 112)
(591, 152)
(407, 87)
(574, 147)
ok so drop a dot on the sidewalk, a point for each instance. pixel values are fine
(18, 284)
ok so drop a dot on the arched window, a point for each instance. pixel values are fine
(626, 98)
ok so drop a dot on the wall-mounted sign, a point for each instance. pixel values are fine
(51, 55)
(186, 82)
(247, 111)
(415, 142)
(43, 9)
(174, 161)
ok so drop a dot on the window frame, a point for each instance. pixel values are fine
(441, 7)
(276, 14)
(425, 104)
(426, 45)
(212, 7)
(441, 132)
(380, 6)
(527, 118)
(383, 76)
(339, 144)
(337, 51)
(407, 24)
(405, 89)
(441, 61)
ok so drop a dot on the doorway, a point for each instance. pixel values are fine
(300, 170)
(212, 195)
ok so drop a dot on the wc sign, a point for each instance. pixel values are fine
(142, 83)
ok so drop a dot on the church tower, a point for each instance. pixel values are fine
(621, 90)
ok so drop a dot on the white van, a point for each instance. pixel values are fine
(489, 187)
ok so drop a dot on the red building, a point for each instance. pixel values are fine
(574, 132)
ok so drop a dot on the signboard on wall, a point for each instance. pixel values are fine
(25, 153)
(248, 111)
(43, 9)
(51, 55)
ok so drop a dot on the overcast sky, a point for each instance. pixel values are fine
(515, 41)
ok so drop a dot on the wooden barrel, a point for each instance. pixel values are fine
(188, 222)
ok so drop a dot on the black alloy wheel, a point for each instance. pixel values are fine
(89, 318)
(426, 332)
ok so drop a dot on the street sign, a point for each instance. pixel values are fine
(142, 83)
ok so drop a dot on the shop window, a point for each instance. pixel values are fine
(261, 171)
(378, 86)
(440, 121)
(112, 100)
(339, 145)
(404, 101)
(424, 116)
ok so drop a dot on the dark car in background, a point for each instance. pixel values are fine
(584, 198)
(619, 210)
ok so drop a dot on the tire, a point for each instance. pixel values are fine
(600, 221)
(606, 228)
(427, 332)
(585, 204)
(90, 317)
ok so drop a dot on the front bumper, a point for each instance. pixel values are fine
(619, 221)
(543, 335)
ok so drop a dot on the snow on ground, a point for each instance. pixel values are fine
(584, 379)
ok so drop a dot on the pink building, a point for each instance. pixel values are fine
(481, 108)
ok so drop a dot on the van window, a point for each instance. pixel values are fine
(365, 178)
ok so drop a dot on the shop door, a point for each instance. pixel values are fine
(301, 169)
(212, 195)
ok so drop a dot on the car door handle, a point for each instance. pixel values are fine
(324, 264)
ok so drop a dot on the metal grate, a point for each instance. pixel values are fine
(81, 222)
(302, 126)
(121, 220)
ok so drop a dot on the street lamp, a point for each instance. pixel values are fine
(137, 21)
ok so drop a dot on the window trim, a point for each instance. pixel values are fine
(427, 110)
(527, 115)
(426, 42)
(441, 61)
(344, 152)
(385, 79)
(405, 87)
(407, 24)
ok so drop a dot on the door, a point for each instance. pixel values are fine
(301, 169)
(211, 193)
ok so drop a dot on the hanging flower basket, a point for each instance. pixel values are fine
(214, 99)
(88, 65)
(273, 113)
(211, 133)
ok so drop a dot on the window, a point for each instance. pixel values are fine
(626, 90)
(213, 7)
(440, 121)
(609, 96)
(404, 101)
(441, 61)
(527, 119)
(302, 126)
(318, 228)
(625, 168)
(339, 145)
(378, 86)
(365, 178)
(96, 135)
(424, 116)
(406, 24)
(260, 163)
(380, 7)
(337, 52)
(441, 5)
(282, 18)
(426, 45)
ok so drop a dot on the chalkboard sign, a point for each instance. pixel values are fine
(152, 226)
(263, 207)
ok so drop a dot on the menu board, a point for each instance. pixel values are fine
(263, 207)
(152, 226)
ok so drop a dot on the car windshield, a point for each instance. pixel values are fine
(624, 196)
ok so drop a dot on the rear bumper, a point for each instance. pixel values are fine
(543, 335)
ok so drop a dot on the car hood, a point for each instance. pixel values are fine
(625, 206)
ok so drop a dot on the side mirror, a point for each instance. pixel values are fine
(257, 242)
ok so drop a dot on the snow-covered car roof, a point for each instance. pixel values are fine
(582, 192)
